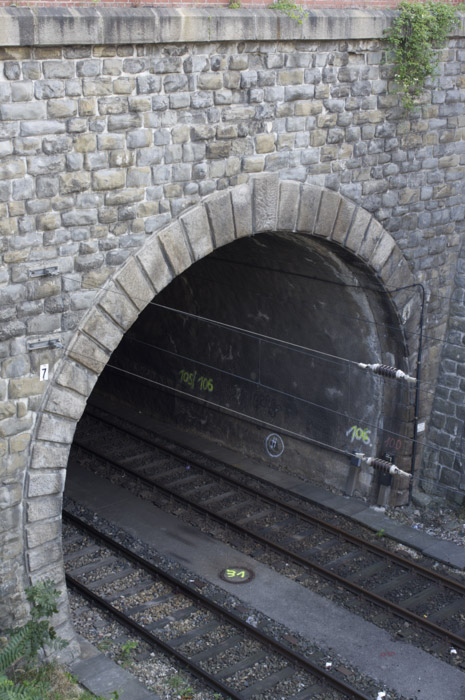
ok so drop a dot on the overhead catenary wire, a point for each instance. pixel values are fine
(374, 288)
(191, 396)
(278, 341)
(302, 348)
(322, 353)
(436, 484)
(342, 414)
(441, 341)
(260, 336)
(227, 409)
(265, 386)
(335, 358)
(333, 448)
(245, 331)
(377, 289)
(341, 359)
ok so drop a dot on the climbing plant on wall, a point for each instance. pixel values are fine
(414, 37)
(291, 9)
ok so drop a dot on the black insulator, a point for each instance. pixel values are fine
(381, 464)
(386, 371)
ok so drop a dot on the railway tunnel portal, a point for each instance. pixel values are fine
(245, 320)
(266, 186)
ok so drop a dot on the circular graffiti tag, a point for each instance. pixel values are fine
(274, 445)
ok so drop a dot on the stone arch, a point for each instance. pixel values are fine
(263, 204)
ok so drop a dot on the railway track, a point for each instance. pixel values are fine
(431, 601)
(214, 644)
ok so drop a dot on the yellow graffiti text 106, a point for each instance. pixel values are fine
(359, 434)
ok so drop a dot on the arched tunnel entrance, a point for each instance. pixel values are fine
(256, 347)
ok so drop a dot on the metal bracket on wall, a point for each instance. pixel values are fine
(44, 272)
(39, 344)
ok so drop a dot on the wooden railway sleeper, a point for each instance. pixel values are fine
(268, 682)
(217, 648)
(185, 481)
(91, 566)
(147, 605)
(448, 611)
(78, 553)
(169, 619)
(110, 578)
(308, 693)
(248, 662)
(379, 567)
(393, 583)
(194, 633)
(342, 560)
(418, 598)
(132, 590)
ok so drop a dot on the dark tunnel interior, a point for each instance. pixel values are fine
(255, 347)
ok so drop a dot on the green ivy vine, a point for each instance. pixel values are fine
(417, 32)
(291, 9)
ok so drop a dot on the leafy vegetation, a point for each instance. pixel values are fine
(21, 675)
(417, 32)
(22, 645)
(291, 9)
(126, 652)
(181, 687)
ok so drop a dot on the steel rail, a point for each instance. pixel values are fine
(433, 576)
(134, 626)
(202, 600)
(303, 561)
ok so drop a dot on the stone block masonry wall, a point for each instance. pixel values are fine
(444, 470)
(114, 124)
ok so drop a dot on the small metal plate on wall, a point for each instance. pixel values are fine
(237, 574)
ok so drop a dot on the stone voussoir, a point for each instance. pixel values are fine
(135, 284)
(220, 214)
(265, 202)
(198, 231)
(289, 205)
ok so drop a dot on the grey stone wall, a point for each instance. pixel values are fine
(114, 125)
(444, 460)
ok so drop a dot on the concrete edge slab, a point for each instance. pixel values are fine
(102, 676)
(445, 552)
(52, 26)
